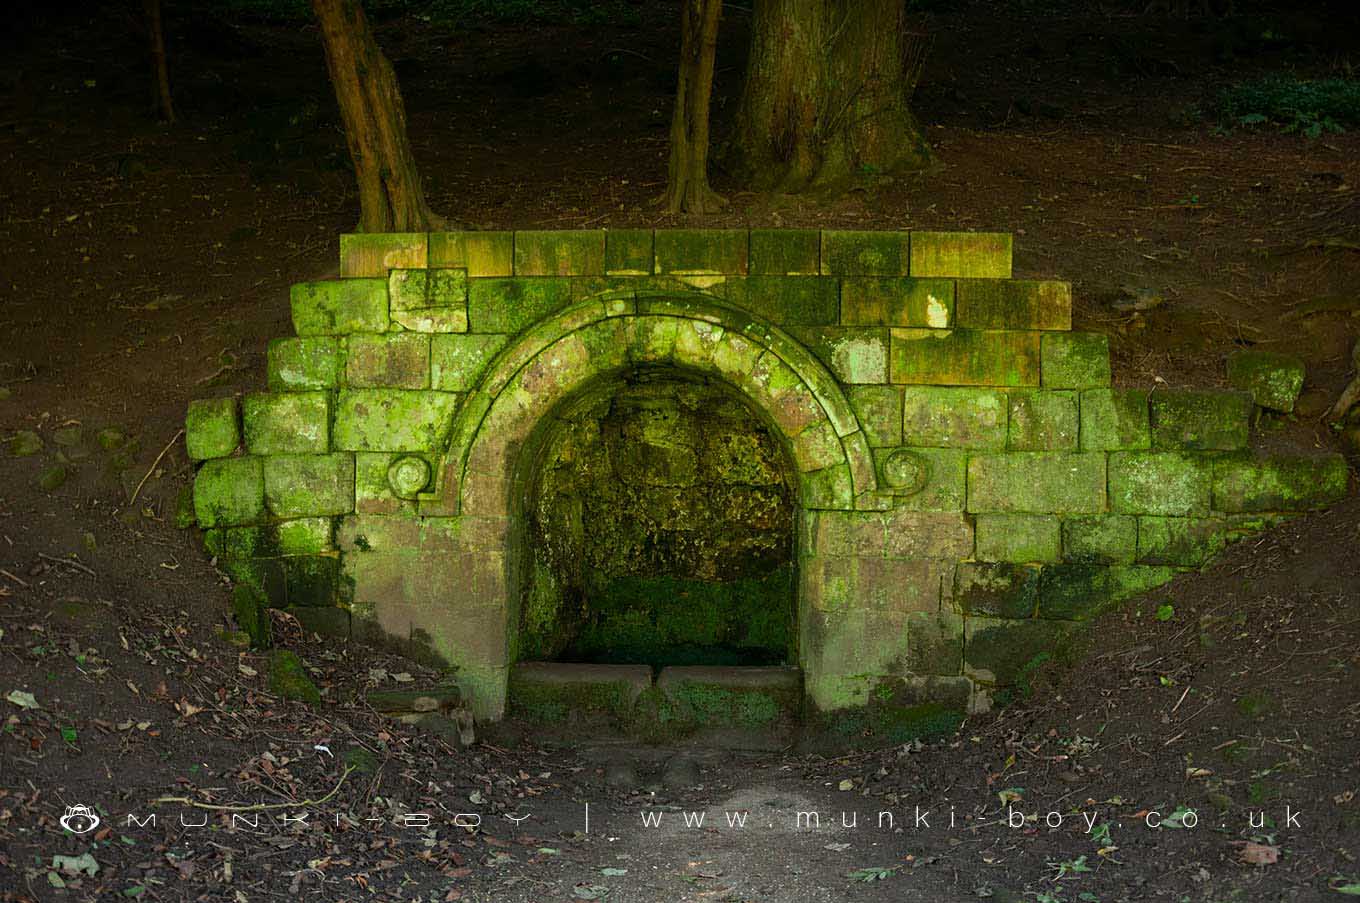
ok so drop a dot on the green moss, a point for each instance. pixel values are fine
(300, 364)
(250, 608)
(211, 429)
(554, 703)
(288, 677)
(1200, 419)
(715, 705)
(229, 491)
(1075, 360)
(1274, 380)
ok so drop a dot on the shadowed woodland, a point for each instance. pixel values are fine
(171, 168)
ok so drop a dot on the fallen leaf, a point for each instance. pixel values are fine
(1254, 853)
(23, 700)
(846, 784)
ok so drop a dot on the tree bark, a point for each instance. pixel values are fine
(687, 189)
(160, 72)
(826, 95)
(390, 195)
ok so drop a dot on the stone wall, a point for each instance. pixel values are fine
(969, 487)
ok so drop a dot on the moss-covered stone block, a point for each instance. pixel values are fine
(1037, 483)
(628, 252)
(374, 253)
(1014, 304)
(1115, 420)
(372, 492)
(1042, 420)
(1274, 380)
(288, 678)
(1076, 360)
(575, 252)
(339, 306)
(829, 488)
(897, 301)
(879, 410)
(306, 485)
(250, 609)
(304, 364)
(397, 420)
(785, 252)
(509, 305)
(702, 251)
(1200, 419)
(304, 536)
(848, 252)
(1166, 483)
(552, 693)
(965, 255)
(1079, 590)
(457, 362)
(1001, 589)
(429, 301)
(211, 429)
(856, 355)
(923, 479)
(397, 361)
(287, 423)
(1025, 538)
(1278, 482)
(229, 491)
(1101, 538)
(1180, 541)
(488, 253)
(934, 643)
(786, 300)
(965, 357)
(951, 417)
(999, 652)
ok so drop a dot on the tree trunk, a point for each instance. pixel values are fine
(826, 95)
(390, 196)
(160, 73)
(687, 189)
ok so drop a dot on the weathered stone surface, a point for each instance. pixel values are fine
(941, 483)
(283, 423)
(834, 583)
(211, 429)
(229, 491)
(965, 357)
(954, 417)
(510, 305)
(1274, 380)
(374, 253)
(1013, 304)
(1168, 483)
(1102, 538)
(934, 643)
(1042, 420)
(551, 692)
(628, 252)
(425, 699)
(339, 306)
(302, 364)
(999, 589)
(392, 420)
(429, 301)
(830, 489)
(480, 253)
(559, 253)
(1079, 591)
(976, 255)
(785, 252)
(408, 475)
(1181, 541)
(879, 410)
(372, 493)
(854, 354)
(288, 678)
(1037, 483)
(897, 301)
(1000, 651)
(864, 253)
(1115, 420)
(457, 362)
(1278, 482)
(1200, 419)
(302, 485)
(786, 300)
(1018, 538)
(1075, 360)
(702, 251)
(398, 361)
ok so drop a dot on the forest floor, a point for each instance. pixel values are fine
(145, 265)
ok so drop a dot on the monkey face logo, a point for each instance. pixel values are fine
(79, 819)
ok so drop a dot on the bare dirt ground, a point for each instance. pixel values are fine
(147, 265)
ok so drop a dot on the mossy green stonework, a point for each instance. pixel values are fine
(870, 463)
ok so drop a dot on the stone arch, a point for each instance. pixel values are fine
(800, 400)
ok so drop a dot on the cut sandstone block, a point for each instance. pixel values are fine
(211, 429)
(458, 361)
(1200, 419)
(278, 423)
(628, 252)
(559, 253)
(1013, 304)
(785, 252)
(311, 362)
(1075, 360)
(1037, 483)
(309, 485)
(509, 305)
(865, 253)
(965, 357)
(897, 301)
(954, 417)
(373, 254)
(1168, 483)
(1042, 421)
(1023, 538)
(1278, 482)
(854, 354)
(978, 255)
(879, 411)
(1274, 380)
(1101, 538)
(392, 420)
(702, 251)
(1000, 589)
(229, 491)
(399, 361)
(479, 253)
(1115, 420)
(339, 306)
(786, 300)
